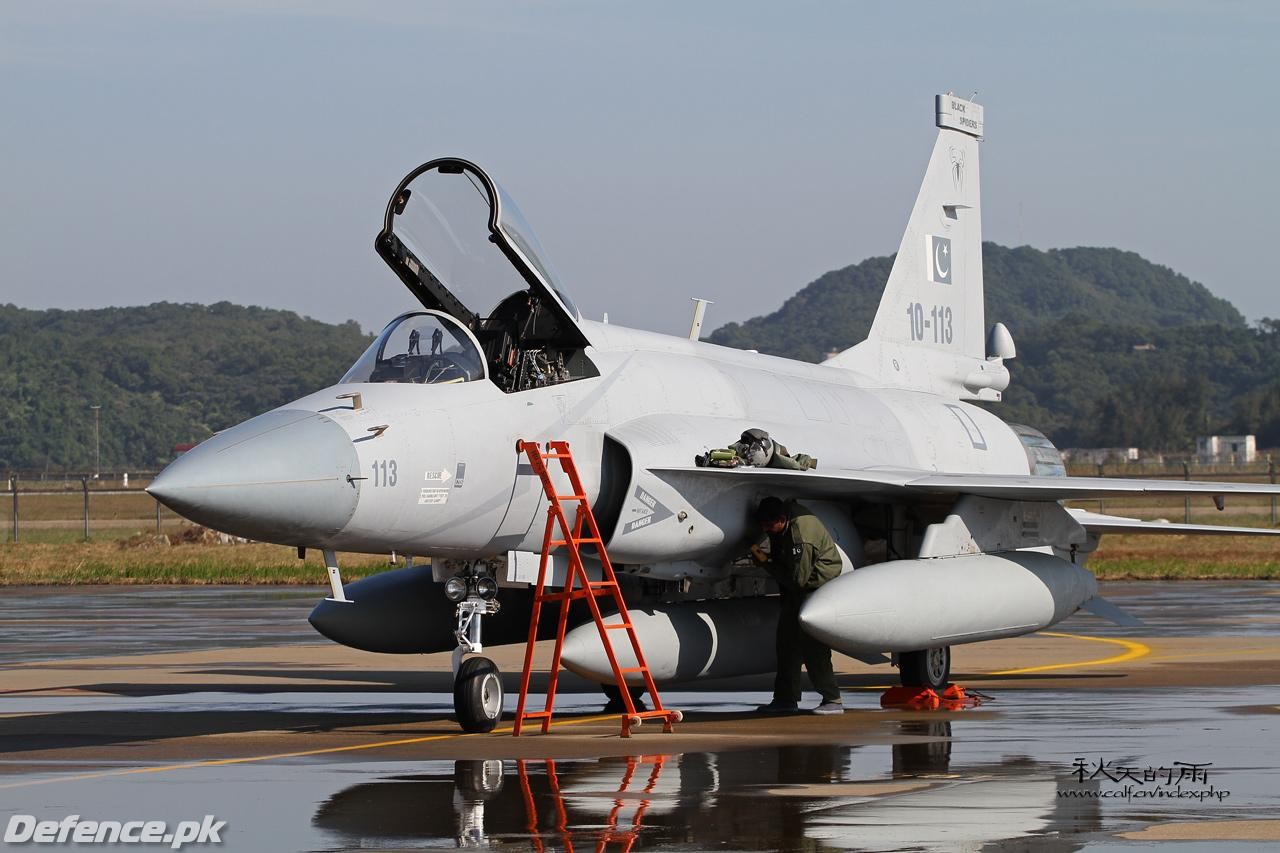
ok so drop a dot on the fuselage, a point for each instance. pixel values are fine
(433, 469)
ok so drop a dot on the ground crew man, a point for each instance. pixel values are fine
(802, 558)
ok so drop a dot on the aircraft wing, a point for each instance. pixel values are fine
(852, 482)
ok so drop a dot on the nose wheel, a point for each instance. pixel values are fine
(477, 695)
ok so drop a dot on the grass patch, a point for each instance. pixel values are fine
(73, 534)
(1138, 569)
(97, 562)
(1188, 557)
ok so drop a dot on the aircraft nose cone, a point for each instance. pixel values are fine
(280, 477)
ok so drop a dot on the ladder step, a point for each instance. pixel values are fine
(627, 669)
(602, 584)
(576, 594)
(531, 715)
(571, 497)
(626, 625)
(561, 596)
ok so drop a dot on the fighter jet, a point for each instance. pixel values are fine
(951, 521)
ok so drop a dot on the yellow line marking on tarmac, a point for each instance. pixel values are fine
(1233, 653)
(1133, 651)
(328, 750)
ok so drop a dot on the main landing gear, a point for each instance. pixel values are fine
(477, 682)
(927, 668)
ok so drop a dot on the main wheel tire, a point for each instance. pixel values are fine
(477, 695)
(927, 668)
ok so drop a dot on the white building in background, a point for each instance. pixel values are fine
(1231, 449)
(1101, 455)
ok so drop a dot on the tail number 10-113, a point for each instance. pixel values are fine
(934, 326)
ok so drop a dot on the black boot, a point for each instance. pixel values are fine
(615, 705)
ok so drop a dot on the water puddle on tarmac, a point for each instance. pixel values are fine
(991, 783)
(1048, 770)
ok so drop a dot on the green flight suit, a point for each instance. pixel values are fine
(782, 459)
(801, 558)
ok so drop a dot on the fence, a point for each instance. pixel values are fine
(1244, 472)
(88, 490)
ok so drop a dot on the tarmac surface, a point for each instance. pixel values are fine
(172, 703)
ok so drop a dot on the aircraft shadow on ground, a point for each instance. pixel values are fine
(387, 681)
(90, 729)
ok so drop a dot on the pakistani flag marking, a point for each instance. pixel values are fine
(939, 259)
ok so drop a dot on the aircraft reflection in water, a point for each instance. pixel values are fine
(806, 796)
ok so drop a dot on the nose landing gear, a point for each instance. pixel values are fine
(477, 682)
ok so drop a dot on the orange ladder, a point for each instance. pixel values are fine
(627, 837)
(531, 807)
(578, 585)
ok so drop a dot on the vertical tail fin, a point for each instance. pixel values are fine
(928, 333)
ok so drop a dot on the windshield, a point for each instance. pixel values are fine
(425, 348)
(445, 224)
(520, 232)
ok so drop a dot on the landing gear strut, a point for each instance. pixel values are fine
(477, 683)
(927, 668)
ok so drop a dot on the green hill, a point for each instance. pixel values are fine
(1076, 316)
(164, 374)
(1024, 287)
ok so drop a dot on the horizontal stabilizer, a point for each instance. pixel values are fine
(1096, 523)
(1099, 606)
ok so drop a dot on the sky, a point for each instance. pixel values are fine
(244, 150)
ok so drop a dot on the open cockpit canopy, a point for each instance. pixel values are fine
(462, 247)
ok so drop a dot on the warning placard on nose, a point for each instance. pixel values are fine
(433, 497)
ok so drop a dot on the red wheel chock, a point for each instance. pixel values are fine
(953, 698)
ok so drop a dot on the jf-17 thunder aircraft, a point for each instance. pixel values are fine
(950, 521)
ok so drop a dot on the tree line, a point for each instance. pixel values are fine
(1113, 350)
(164, 374)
